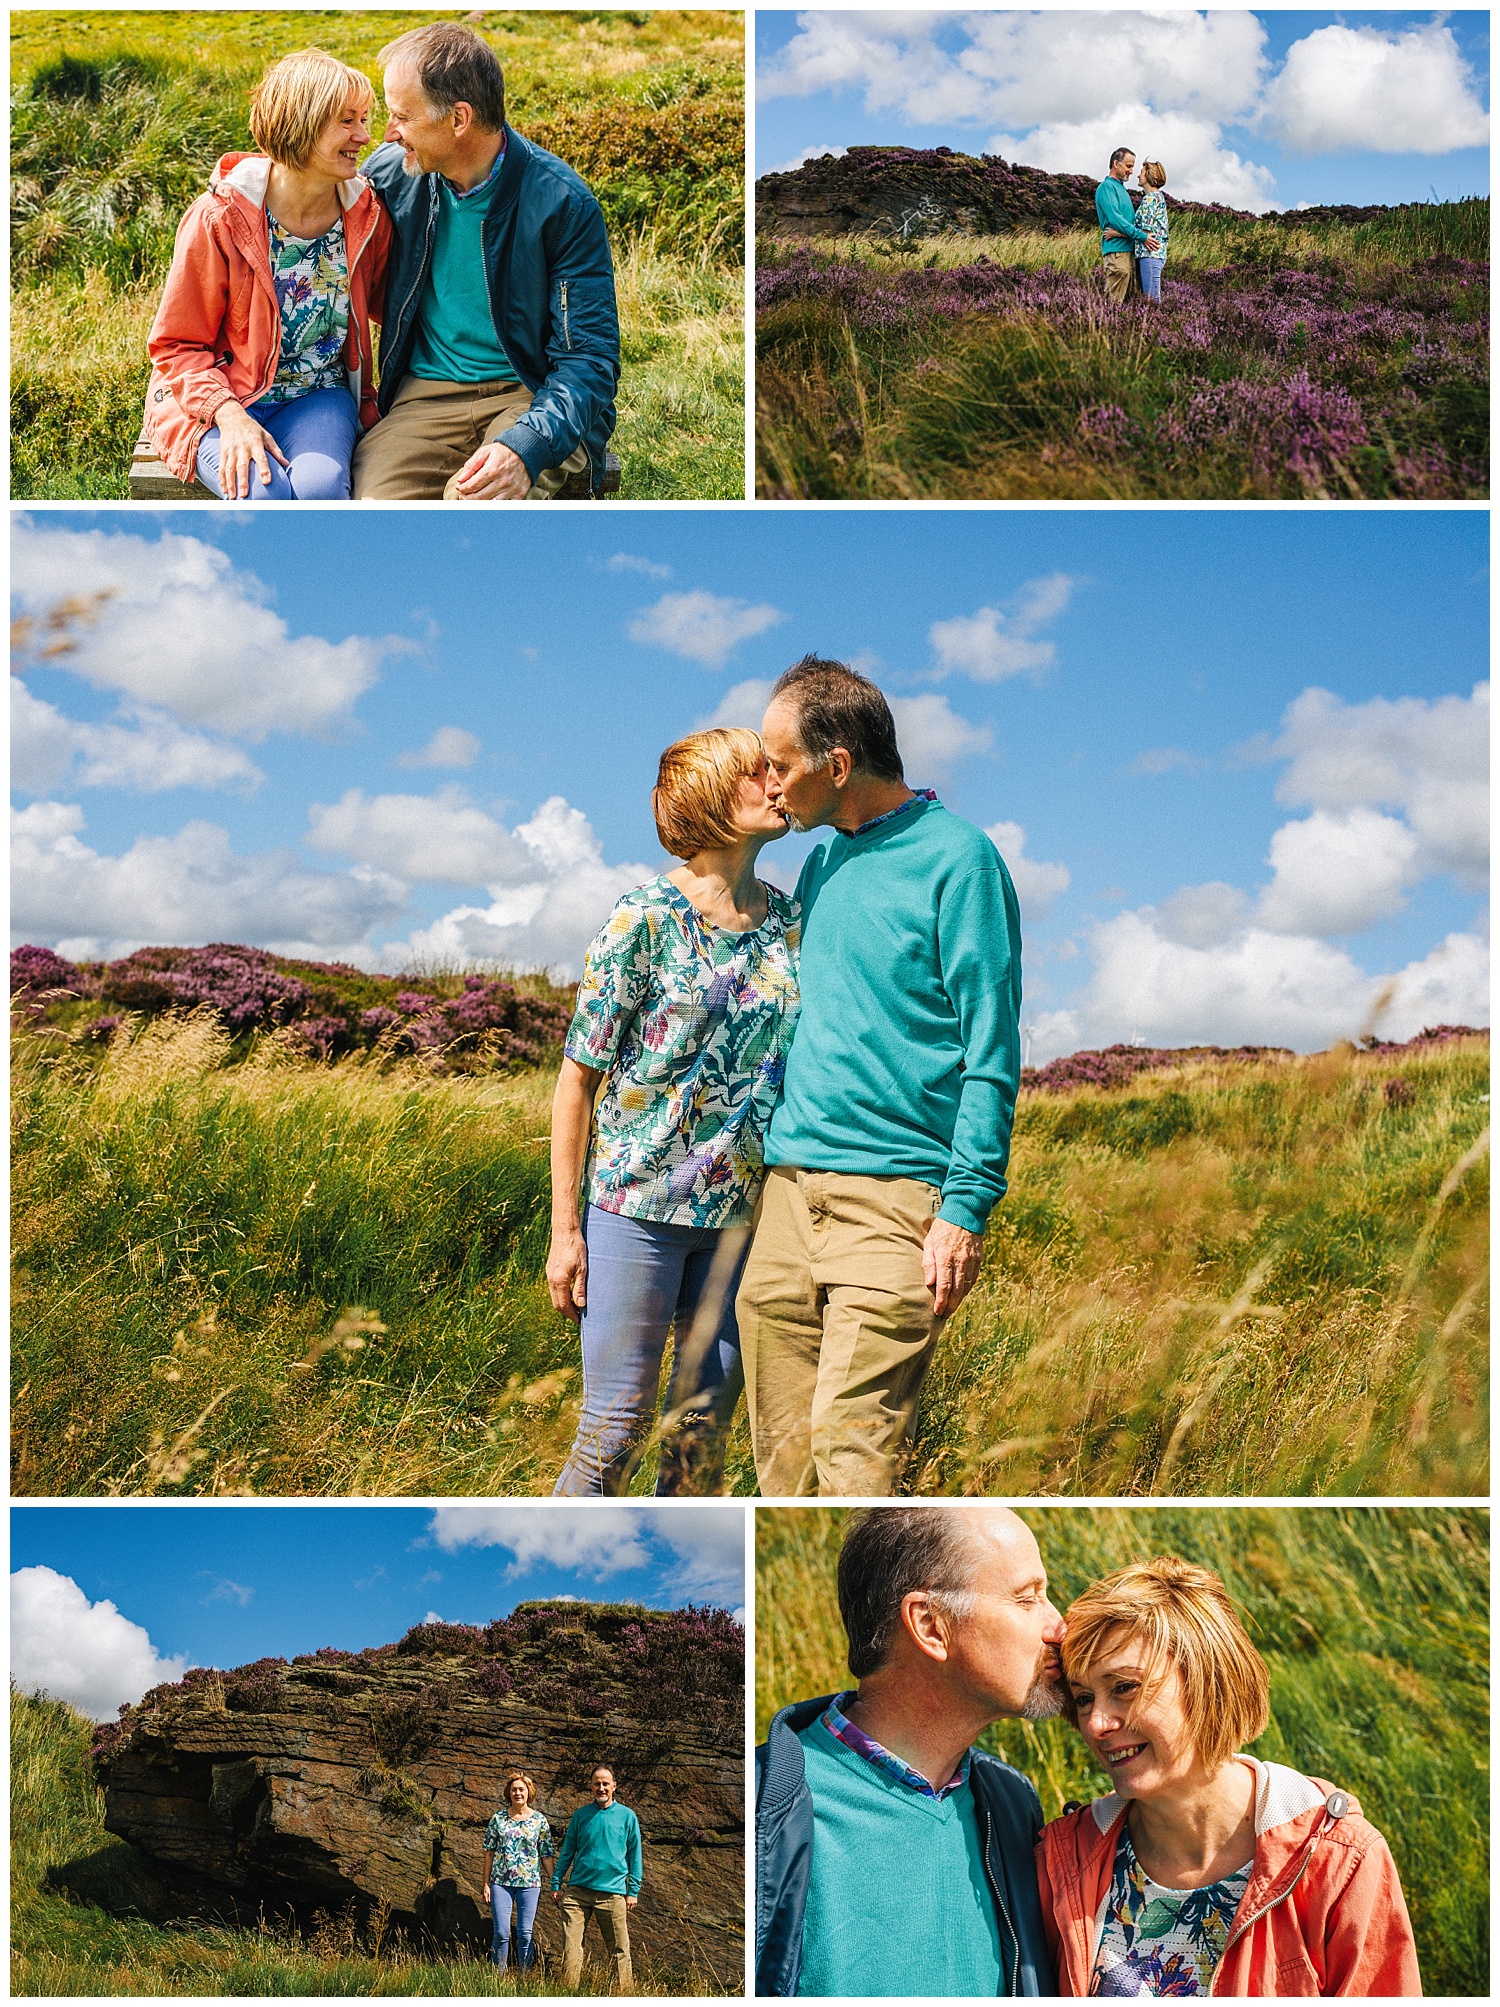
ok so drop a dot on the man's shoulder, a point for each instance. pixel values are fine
(1001, 1782)
(384, 172)
(549, 172)
(958, 841)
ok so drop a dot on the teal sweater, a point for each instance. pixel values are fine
(1113, 206)
(456, 340)
(602, 1846)
(898, 1900)
(907, 1054)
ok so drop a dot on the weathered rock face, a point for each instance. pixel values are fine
(368, 1779)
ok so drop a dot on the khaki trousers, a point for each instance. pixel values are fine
(416, 451)
(1118, 274)
(836, 1329)
(578, 1905)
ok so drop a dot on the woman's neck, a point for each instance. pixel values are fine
(304, 203)
(1199, 1831)
(721, 884)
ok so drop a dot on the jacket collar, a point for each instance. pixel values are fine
(249, 175)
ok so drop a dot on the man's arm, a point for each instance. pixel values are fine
(633, 1860)
(1113, 207)
(979, 947)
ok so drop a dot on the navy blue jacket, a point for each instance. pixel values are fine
(552, 295)
(1010, 1822)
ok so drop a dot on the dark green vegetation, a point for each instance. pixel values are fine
(1375, 1624)
(1288, 358)
(1230, 1279)
(117, 122)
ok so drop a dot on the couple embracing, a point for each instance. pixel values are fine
(781, 1122)
(895, 1859)
(483, 259)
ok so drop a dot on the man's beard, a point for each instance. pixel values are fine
(1045, 1698)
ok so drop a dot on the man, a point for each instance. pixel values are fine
(601, 1850)
(891, 1857)
(500, 348)
(888, 1147)
(1118, 227)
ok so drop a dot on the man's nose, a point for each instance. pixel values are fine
(1056, 1629)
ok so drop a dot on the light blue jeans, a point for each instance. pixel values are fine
(316, 433)
(525, 1901)
(1150, 271)
(645, 1278)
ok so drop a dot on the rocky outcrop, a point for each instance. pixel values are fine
(365, 1780)
(910, 192)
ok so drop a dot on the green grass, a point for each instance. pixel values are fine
(1230, 1280)
(117, 121)
(1375, 1624)
(90, 1915)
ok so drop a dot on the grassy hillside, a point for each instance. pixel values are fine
(1375, 1623)
(265, 1275)
(118, 119)
(89, 1914)
(1285, 360)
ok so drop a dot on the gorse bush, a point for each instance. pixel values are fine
(1374, 1622)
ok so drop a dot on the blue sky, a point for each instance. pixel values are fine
(1206, 849)
(224, 1584)
(1259, 110)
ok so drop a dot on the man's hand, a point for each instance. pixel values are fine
(631, 1901)
(1111, 231)
(950, 1264)
(1151, 247)
(557, 1895)
(493, 474)
(243, 444)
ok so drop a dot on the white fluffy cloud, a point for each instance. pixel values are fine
(743, 704)
(1037, 884)
(706, 1543)
(1004, 640)
(85, 1653)
(187, 633)
(932, 737)
(700, 626)
(149, 752)
(441, 839)
(1200, 167)
(546, 921)
(626, 561)
(807, 153)
(1373, 90)
(449, 746)
(1427, 759)
(183, 889)
(1338, 872)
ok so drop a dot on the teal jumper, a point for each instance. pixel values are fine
(602, 1846)
(899, 1903)
(907, 1055)
(456, 340)
(1113, 206)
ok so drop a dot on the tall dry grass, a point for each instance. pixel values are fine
(1374, 1622)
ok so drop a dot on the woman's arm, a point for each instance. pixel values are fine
(572, 1117)
(489, 1866)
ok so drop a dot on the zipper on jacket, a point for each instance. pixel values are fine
(562, 288)
(1266, 1908)
(989, 1873)
(422, 270)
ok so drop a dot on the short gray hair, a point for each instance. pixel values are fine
(888, 1552)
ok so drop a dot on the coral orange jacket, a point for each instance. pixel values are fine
(217, 332)
(1323, 1914)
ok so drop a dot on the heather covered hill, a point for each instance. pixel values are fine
(238, 1268)
(317, 1826)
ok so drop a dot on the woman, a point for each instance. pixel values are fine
(1204, 1871)
(1152, 218)
(261, 362)
(684, 1017)
(516, 1842)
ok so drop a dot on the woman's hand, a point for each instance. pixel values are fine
(243, 443)
(567, 1272)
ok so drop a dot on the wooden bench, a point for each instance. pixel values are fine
(150, 481)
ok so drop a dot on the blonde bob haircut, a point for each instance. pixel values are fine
(696, 785)
(297, 97)
(519, 1777)
(1183, 1622)
(1153, 174)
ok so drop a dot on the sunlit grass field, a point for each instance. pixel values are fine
(1375, 1624)
(90, 1915)
(119, 118)
(261, 1275)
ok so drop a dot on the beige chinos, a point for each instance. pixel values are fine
(836, 1329)
(417, 450)
(578, 1905)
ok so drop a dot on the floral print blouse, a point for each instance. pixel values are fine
(1152, 218)
(691, 1025)
(519, 1846)
(311, 277)
(1166, 1942)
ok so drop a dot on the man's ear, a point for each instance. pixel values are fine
(463, 119)
(840, 766)
(924, 1625)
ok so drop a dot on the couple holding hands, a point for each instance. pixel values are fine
(483, 259)
(782, 1121)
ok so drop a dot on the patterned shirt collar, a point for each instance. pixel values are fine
(918, 794)
(843, 1729)
(463, 194)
